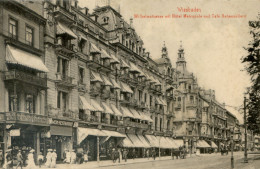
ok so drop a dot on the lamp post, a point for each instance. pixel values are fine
(245, 125)
(232, 149)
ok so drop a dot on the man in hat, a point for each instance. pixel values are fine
(40, 159)
(113, 154)
(19, 159)
(9, 159)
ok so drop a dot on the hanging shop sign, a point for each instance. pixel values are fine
(46, 134)
(62, 123)
(15, 132)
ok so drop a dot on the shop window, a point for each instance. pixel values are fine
(30, 103)
(81, 75)
(29, 35)
(191, 99)
(13, 28)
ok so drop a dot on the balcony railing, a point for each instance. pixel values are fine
(136, 125)
(22, 117)
(95, 91)
(91, 118)
(124, 77)
(63, 13)
(26, 77)
(64, 79)
(59, 113)
(105, 94)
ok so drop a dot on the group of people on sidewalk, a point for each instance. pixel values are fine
(71, 157)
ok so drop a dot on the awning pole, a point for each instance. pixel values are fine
(97, 148)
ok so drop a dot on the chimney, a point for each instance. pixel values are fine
(131, 22)
(148, 54)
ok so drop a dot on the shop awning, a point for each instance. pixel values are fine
(145, 116)
(136, 141)
(84, 132)
(163, 143)
(107, 109)
(127, 143)
(152, 140)
(113, 133)
(96, 105)
(158, 100)
(143, 140)
(136, 114)
(116, 111)
(126, 112)
(20, 57)
(105, 55)
(124, 64)
(213, 145)
(95, 77)
(126, 88)
(85, 105)
(63, 29)
(106, 81)
(115, 84)
(202, 144)
(171, 142)
(83, 36)
(134, 68)
(178, 142)
(94, 48)
(114, 59)
(61, 130)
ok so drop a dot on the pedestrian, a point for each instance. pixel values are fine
(153, 153)
(133, 154)
(73, 157)
(1, 158)
(79, 156)
(125, 154)
(24, 156)
(119, 154)
(8, 164)
(86, 156)
(40, 159)
(67, 157)
(48, 158)
(31, 163)
(148, 153)
(53, 159)
(19, 159)
(113, 154)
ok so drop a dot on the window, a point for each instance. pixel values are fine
(29, 36)
(81, 22)
(13, 28)
(160, 124)
(12, 103)
(30, 103)
(81, 75)
(82, 45)
(62, 67)
(105, 19)
(126, 44)
(62, 100)
(156, 119)
(140, 95)
(168, 124)
(151, 100)
(191, 99)
(145, 97)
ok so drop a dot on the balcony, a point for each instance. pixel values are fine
(105, 120)
(105, 94)
(95, 62)
(64, 80)
(169, 96)
(125, 100)
(124, 77)
(62, 114)
(169, 79)
(64, 46)
(191, 105)
(112, 96)
(82, 87)
(90, 118)
(61, 13)
(26, 78)
(133, 82)
(133, 103)
(136, 125)
(24, 118)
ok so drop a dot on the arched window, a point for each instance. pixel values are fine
(126, 44)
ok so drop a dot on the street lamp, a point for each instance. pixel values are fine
(245, 125)
(232, 149)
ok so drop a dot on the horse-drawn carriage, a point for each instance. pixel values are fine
(179, 153)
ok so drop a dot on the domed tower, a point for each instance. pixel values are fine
(164, 51)
(181, 63)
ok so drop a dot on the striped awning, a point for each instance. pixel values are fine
(116, 111)
(23, 58)
(63, 29)
(95, 77)
(134, 68)
(96, 105)
(115, 84)
(94, 48)
(126, 112)
(144, 141)
(85, 105)
(126, 88)
(136, 141)
(124, 64)
(105, 55)
(107, 109)
(202, 144)
(114, 59)
(136, 114)
(152, 140)
(126, 143)
(106, 81)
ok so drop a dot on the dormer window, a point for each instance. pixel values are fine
(105, 20)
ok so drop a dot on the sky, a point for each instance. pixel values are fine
(213, 46)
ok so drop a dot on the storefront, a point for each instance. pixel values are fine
(203, 147)
(61, 137)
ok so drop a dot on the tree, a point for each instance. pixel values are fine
(252, 66)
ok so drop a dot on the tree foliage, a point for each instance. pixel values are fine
(252, 66)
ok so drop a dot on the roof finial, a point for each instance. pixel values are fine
(164, 43)
(131, 22)
(181, 43)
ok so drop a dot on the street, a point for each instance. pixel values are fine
(207, 161)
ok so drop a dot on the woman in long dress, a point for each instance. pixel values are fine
(31, 164)
(53, 159)
(48, 158)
